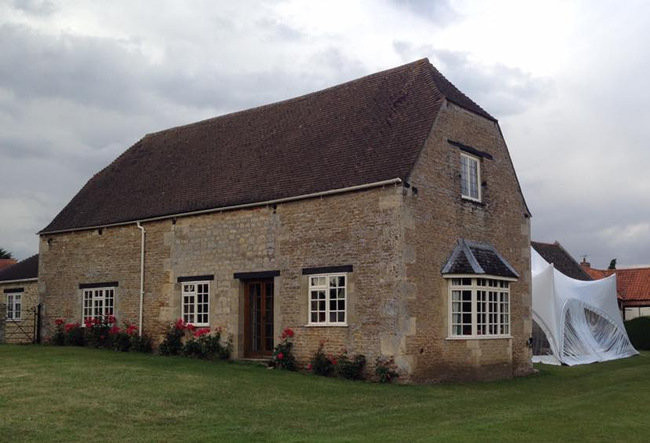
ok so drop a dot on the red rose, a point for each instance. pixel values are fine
(334, 362)
(132, 330)
(180, 324)
(201, 332)
(309, 367)
(102, 337)
(280, 356)
(59, 321)
(88, 322)
(191, 327)
(114, 330)
(111, 319)
(287, 333)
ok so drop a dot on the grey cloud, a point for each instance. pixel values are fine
(281, 31)
(438, 11)
(35, 7)
(499, 89)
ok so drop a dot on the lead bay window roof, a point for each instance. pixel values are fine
(470, 258)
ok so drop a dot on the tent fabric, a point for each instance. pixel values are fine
(576, 322)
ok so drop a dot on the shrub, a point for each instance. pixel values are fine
(58, 338)
(385, 370)
(173, 342)
(204, 345)
(120, 340)
(142, 344)
(74, 334)
(320, 363)
(283, 357)
(98, 331)
(349, 367)
(638, 329)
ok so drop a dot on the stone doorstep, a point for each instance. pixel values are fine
(255, 360)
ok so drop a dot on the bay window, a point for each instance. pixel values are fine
(479, 307)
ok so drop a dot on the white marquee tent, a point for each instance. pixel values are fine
(575, 322)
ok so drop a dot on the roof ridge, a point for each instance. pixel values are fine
(456, 96)
(207, 121)
(559, 245)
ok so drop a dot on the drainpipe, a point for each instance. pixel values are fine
(141, 276)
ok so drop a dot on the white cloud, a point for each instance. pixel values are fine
(81, 81)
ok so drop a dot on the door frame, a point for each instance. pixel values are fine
(263, 282)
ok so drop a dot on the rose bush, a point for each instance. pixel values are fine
(282, 355)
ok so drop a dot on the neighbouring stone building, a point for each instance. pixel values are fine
(19, 292)
(382, 216)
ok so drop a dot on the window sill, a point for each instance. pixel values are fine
(13, 320)
(316, 325)
(481, 337)
(475, 202)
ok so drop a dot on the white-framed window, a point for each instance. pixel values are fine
(98, 303)
(196, 303)
(14, 306)
(470, 177)
(328, 299)
(479, 307)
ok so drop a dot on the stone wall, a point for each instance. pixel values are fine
(358, 228)
(395, 238)
(2, 323)
(434, 219)
(21, 331)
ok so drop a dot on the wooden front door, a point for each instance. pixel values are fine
(259, 319)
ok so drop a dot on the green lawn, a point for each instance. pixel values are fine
(50, 394)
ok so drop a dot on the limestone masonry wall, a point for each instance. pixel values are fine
(433, 221)
(396, 238)
(21, 331)
(359, 229)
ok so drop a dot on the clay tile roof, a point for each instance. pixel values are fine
(6, 262)
(22, 270)
(561, 259)
(477, 258)
(632, 284)
(361, 132)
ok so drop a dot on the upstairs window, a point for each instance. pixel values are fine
(470, 177)
(327, 299)
(196, 303)
(98, 303)
(14, 306)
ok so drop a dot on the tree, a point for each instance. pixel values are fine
(5, 254)
(612, 264)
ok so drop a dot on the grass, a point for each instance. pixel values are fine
(50, 394)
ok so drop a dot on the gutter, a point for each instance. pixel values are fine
(20, 280)
(143, 231)
(392, 181)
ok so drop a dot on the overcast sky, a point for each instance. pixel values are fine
(81, 81)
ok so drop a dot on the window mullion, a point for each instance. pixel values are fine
(474, 307)
(327, 300)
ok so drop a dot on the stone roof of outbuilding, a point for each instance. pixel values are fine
(477, 259)
(561, 259)
(23, 270)
(361, 132)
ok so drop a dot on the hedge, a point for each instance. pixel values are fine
(638, 329)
